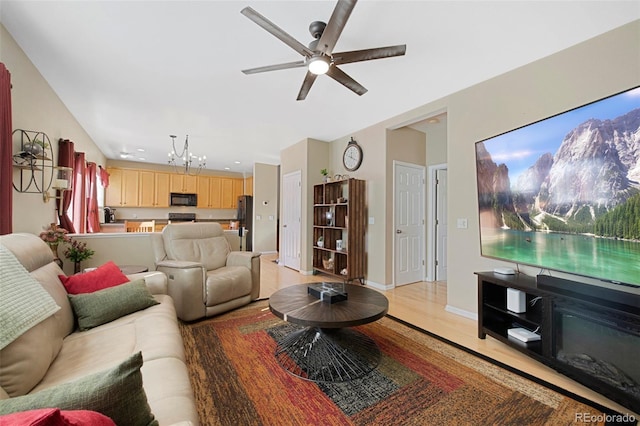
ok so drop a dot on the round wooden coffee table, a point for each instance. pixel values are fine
(327, 350)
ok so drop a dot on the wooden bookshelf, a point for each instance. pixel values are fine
(339, 215)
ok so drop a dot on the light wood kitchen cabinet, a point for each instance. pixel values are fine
(146, 196)
(123, 188)
(215, 192)
(228, 201)
(248, 186)
(149, 188)
(161, 190)
(204, 200)
(154, 189)
(190, 184)
(113, 193)
(238, 189)
(184, 183)
(130, 188)
(230, 190)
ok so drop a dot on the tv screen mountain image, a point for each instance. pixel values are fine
(563, 193)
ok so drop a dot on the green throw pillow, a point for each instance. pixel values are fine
(116, 393)
(102, 306)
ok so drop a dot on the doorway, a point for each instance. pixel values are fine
(291, 220)
(408, 246)
(437, 224)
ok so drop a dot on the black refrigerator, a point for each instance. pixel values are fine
(245, 217)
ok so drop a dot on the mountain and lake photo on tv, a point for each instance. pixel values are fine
(563, 193)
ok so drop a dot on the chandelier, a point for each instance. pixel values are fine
(187, 157)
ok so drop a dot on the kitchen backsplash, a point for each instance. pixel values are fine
(130, 213)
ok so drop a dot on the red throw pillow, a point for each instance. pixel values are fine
(107, 275)
(55, 417)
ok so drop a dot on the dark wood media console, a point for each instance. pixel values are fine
(588, 333)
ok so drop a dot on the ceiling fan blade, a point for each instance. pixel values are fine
(341, 77)
(369, 54)
(335, 25)
(276, 67)
(309, 79)
(276, 31)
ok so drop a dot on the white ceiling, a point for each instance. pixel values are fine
(133, 72)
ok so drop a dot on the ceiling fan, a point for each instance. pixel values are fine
(318, 56)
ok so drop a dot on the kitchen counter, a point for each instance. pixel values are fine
(118, 225)
(166, 220)
(115, 230)
(109, 228)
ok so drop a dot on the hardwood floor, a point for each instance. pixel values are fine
(423, 305)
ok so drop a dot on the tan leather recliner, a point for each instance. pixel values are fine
(205, 277)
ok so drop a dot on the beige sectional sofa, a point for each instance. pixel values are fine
(53, 352)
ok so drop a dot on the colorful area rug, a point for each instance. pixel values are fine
(420, 380)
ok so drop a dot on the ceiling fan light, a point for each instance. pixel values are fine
(319, 65)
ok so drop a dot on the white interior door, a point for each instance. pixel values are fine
(409, 223)
(291, 212)
(441, 225)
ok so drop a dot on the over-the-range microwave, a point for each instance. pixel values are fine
(180, 199)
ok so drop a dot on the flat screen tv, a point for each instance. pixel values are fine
(563, 193)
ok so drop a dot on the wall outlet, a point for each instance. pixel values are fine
(135, 216)
(462, 223)
(372, 221)
(259, 217)
(270, 217)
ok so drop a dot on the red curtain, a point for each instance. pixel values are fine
(65, 159)
(79, 194)
(104, 177)
(6, 152)
(93, 219)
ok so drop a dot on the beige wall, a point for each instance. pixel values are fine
(166, 168)
(407, 146)
(35, 106)
(309, 156)
(316, 160)
(591, 70)
(373, 171)
(265, 207)
(524, 95)
(122, 249)
(436, 143)
(583, 73)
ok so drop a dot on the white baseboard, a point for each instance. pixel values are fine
(378, 286)
(461, 312)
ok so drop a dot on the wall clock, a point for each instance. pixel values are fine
(352, 156)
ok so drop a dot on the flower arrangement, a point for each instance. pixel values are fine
(55, 235)
(78, 251)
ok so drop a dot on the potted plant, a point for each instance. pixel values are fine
(325, 175)
(77, 252)
(53, 236)
(35, 147)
